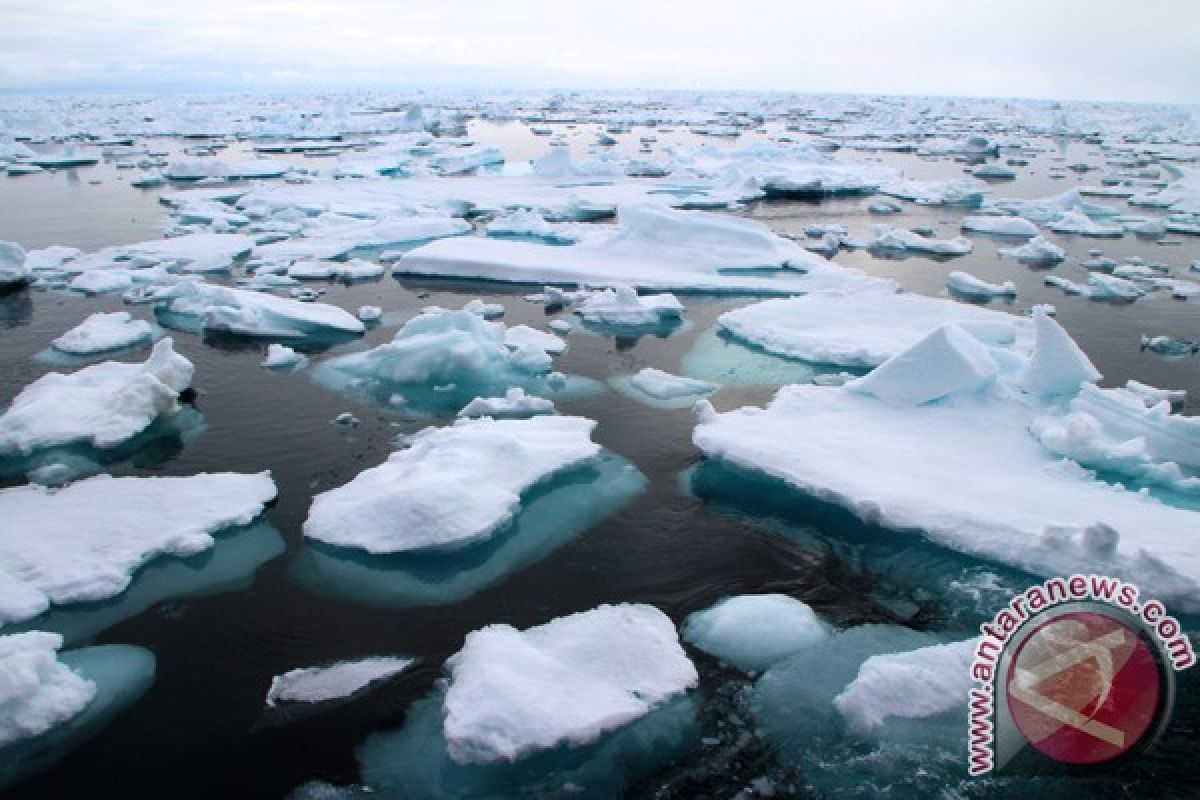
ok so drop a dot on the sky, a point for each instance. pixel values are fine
(1137, 50)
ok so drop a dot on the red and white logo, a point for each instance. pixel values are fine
(1084, 687)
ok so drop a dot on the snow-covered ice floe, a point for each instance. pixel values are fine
(440, 360)
(862, 329)
(662, 389)
(1036, 251)
(999, 226)
(624, 307)
(101, 406)
(82, 543)
(514, 403)
(753, 631)
(52, 701)
(195, 306)
(13, 268)
(551, 513)
(283, 358)
(101, 332)
(335, 681)
(937, 440)
(891, 699)
(651, 247)
(964, 284)
(595, 701)
(451, 487)
(885, 238)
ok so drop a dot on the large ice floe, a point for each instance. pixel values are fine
(440, 360)
(753, 631)
(196, 306)
(451, 486)
(937, 440)
(650, 247)
(84, 542)
(862, 329)
(100, 406)
(52, 701)
(594, 701)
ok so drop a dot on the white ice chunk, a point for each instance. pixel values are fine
(280, 356)
(1057, 366)
(914, 684)
(104, 331)
(861, 329)
(249, 313)
(665, 386)
(889, 239)
(514, 403)
(1036, 251)
(948, 361)
(102, 405)
(569, 681)
(343, 679)
(82, 543)
(999, 226)
(967, 285)
(37, 691)
(624, 306)
(753, 631)
(452, 487)
(13, 269)
(518, 336)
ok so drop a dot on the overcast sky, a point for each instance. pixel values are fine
(1147, 50)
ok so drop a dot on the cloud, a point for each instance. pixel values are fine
(1071, 49)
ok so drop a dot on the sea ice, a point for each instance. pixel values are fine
(37, 691)
(102, 405)
(1036, 251)
(885, 238)
(1018, 503)
(120, 674)
(451, 487)
(753, 631)
(967, 285)
(913, 684)
(192, 305)
(83, 542)
(13, 269)
(340, 680)
(665, 386)
(1057, 366)
(861, 329)
(280, 356)
(570, 681)
(101, 332)
(515, 403)
(999, 226)
(947, 362)
(623, 306)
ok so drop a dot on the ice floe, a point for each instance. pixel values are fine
(570, 681)
(13, 269)
(195, 306)
(101, 332)
(967, 285)
(885, 238)
(336, 681)
(861, 329)
(451, 487)
(83, 542)
(1023, 505)
(999, 225)
(753, 631)
(101, 406)
(514, 403)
